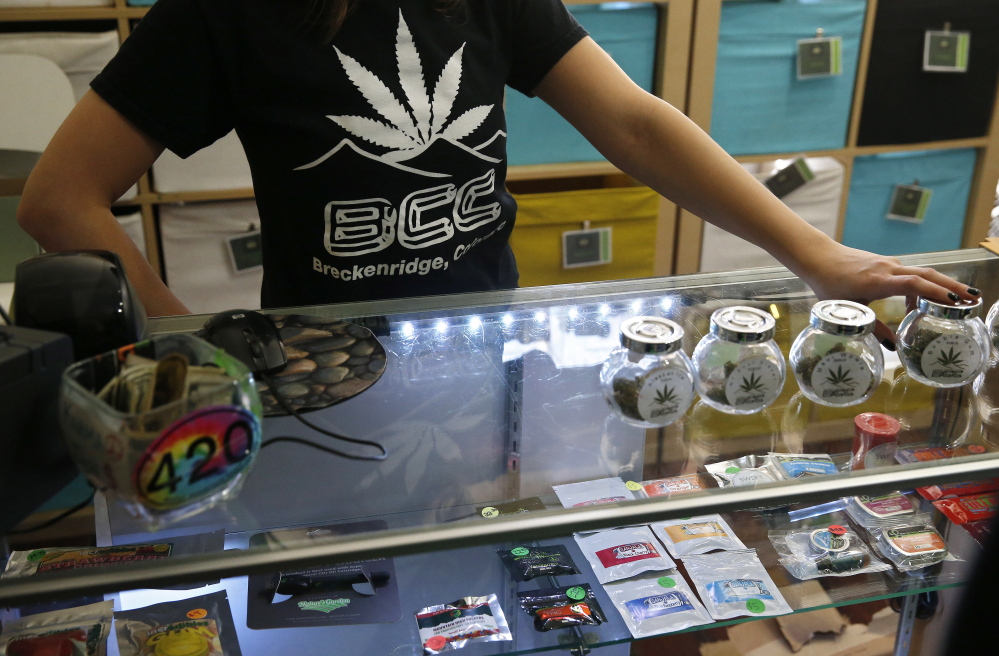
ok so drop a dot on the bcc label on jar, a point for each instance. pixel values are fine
(665, 395)
(754, 382)
(841, 377)
(951, 358)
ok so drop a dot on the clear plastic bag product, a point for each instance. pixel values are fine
(593, 493)
(962, 510)
(446, 627)
(80, 631)
(871, 511)
(651, 605)
(527, 563)
(800, 465)
(910, 542)
(817, 551)
(747, 470)
(621, 553)
(674, 485)
(735, 584)
(199, 626)
(696, 535)
(561, 608)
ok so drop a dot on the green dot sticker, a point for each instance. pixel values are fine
(755, 606)
(575, 593)
(37, 554)
(666, 582)
(520, 551)
(490, 512)
(732, 470)
(633, 486)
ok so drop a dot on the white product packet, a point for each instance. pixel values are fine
(621, 553)
(446, 627)
(746, 470)
(786, 466)
(655, 604)
(696, 535)
(85, 629)
(735, 584)
(593, 493)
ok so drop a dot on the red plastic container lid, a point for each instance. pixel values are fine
(875, 423)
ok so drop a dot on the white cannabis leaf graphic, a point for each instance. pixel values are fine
(407, 132)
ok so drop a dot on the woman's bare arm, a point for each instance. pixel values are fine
(94, 157)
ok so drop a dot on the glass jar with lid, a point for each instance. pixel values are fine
(836, 360)
(944, 345)
(992, 325)
(649, 380)
(739, 369)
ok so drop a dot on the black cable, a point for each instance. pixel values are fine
(58, 518)
(353, 440)
(5, 316)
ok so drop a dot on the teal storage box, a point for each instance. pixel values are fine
(536, 133)
(760, 105)
(947, 173)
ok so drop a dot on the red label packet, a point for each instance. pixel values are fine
(961, 510)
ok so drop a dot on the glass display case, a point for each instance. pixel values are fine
(488, 405)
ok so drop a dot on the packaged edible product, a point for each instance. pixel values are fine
(910, 543)
(934, 492)
(836, 360)
(746, 470)
(651, 605)
(199, 626)
(739, 367)
(962, 510)
(928, 453)
(944, 345)
(450, 626)
(735, 584)
(80, 631)
(561, 608)
(696, 535)
(649, 380)
(674, 485)
(817, 551)
(593, 493)
(800, 465)
(526, 563)
(621, 553)
(871, 511)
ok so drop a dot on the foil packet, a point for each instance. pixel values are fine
(446, 627)
(962, 510)
(735, 584)
(664, 487)
(652, 605)
(697, 535)
(873, 511)
(910, 543)
(79, 631)
(747, 470)
(200, 625)
(621, 553)
(593, 493)
(562, 608)
(527, 563)
(788, 466)
(819, 551)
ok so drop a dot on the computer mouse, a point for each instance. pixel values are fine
(250, 337)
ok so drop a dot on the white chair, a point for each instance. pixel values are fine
(35, 97)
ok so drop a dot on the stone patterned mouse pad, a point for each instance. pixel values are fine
(329, 361)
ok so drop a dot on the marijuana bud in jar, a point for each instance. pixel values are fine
(649, 380)
(739, 368)
(944, 345)
(836, 360)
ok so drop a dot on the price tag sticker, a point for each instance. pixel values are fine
(946, 52)
(909, 203)
(581, 248)
(196, 456)
(791, 177)
(245, 252)
(820, 57)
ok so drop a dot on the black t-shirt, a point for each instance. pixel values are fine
(378, 162)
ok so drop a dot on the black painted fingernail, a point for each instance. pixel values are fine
(888, 344)
(954, 297)
(974, 291)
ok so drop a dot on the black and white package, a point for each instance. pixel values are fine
(621, 553)
(79, 631)
(735, 584)
(593, 493)
(200, 625)
(526, 563)
(747, 470)
(910, 542)
(817, 551)
(696, 535)
(562, 608)
(655, 604)
(446, 627)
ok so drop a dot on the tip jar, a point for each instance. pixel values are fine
(739, 369)
(836, 360)
(648, 380)
(943, 345)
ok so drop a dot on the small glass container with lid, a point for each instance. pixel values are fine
(836, 360)
(739, 368)
(992, 324)
(649, 380)
(944, 345)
